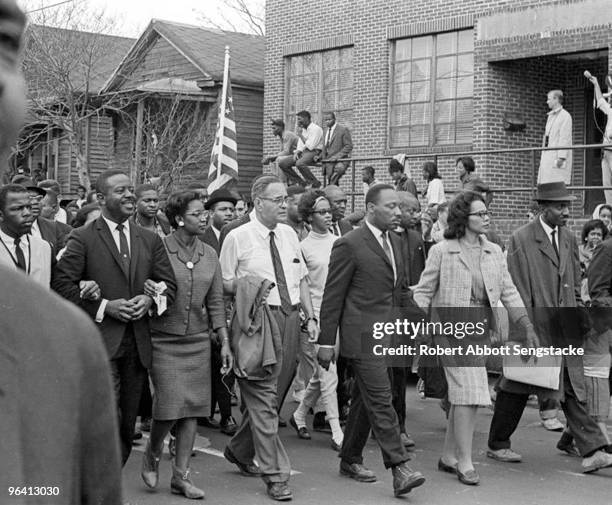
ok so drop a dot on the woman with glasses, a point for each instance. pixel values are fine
(316, 248)
(180, 340)
(465, 275)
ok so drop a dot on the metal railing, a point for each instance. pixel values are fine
(483, 152)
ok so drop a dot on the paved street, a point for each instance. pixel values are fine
(546, 477)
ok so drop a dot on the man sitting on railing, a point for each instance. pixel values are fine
(288, 143)
(309, 147)
(337, 145)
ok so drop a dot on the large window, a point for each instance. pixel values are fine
(320, 82)
(432, 90)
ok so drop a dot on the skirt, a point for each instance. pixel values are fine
(181, 375)
(468, 385)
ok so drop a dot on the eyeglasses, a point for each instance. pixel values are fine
(322, 212)
(482, 214)
(198, 215)
(278, 201)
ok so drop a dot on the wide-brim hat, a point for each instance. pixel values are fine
(220, 195)
(36, 189)
(553, 192)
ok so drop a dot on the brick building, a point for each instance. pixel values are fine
(434, 77)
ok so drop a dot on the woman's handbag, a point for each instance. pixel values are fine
(431, 371)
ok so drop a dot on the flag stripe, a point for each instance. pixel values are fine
(225, 148)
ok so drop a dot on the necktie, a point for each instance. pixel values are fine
(21, 262)
(554, 242)
(335, 229)
(124, 251)
(279, 273)
(387, 250)
(327, 141)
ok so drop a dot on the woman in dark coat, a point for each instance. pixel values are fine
(180, 339)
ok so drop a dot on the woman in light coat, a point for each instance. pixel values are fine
(465, 275)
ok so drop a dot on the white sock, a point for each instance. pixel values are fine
(337, 433)
(300, 415)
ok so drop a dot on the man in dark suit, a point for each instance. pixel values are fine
(119, 256)
(364, 283)
(337, 201)
(54, 232)
(544, 265)
(57, 414)
(220, 204)
(337, 144)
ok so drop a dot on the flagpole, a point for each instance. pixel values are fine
(222, 112)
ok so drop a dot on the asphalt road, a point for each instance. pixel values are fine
(545, 477)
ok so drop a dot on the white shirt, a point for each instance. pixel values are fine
(366, 186)
(316, 250)
(604, 107)
(24, 245)
(313, 135)
(61, 215)
(112, 226)
(35, 230)
(378, 235)
(330, 134)
(435, 192)
(549, 230)
(216, 232)
(246, 251)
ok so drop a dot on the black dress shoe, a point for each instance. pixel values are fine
(301, 432)
(248, 469)
(470, 478)
(279, 491)
(443, 467)
(209, 422)
(137, 435)
(357, 471)
(405, 479)
(229, 426)
(320, 424)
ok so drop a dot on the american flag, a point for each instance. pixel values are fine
(225, 149)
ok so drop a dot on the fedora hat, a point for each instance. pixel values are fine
(553, 192)
(220, 195)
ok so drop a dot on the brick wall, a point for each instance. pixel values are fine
(511, 77)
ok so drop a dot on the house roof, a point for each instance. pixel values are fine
(76, 53)
(204, 48)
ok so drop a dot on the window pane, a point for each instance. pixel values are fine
(346, 99)
(402, 49)
(346, 57)
(445, 89)
(311, 83)
(421, 70)
(466, 41)
(419, 135)
(445, 112)
(330, 80)
(446, 67)
(422, 46)
(346, 78)
(465, 87)
(311, 63)
(465, 64)
(464, 133)
(401, 93)
(420, 91)
(464, 111)
(447, 43)
(329, 101)
(400, 137)
(444, 134)
(420, 114)
(296, 65)
(400, 115)
(402, 72)
(309, 103)
(330, 60)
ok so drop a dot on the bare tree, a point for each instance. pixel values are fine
(179, 137)
(68, 57)
(238, 15)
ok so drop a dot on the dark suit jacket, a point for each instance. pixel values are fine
(340, 145)
(550, 289)
(344, 226)
(57, 401)
(209, 237)
(232, 226)
(414, 253)
(54, 232)
(359, 291)
(91, 253)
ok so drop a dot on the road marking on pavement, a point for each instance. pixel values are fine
(202, 444)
